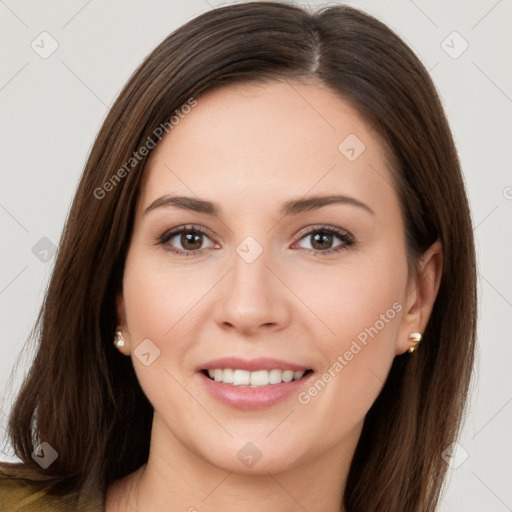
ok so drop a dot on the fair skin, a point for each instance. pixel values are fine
(249, 149)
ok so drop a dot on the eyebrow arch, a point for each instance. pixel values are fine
(292, 207)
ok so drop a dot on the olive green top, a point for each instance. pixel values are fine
(19, 492)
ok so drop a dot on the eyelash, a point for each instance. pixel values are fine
(344, 236)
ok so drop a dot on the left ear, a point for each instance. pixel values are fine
(421, 294)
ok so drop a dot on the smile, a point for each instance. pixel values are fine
(252, 384)
(254, 379)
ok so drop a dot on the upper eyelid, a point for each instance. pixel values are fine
(187, 227)
(328, 227)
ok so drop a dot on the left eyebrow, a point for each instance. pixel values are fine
(292, 207)
(311, 203)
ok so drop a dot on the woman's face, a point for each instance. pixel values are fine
(273, 286)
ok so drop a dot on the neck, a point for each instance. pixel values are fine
(177, 479)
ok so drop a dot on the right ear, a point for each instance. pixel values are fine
(121, 324)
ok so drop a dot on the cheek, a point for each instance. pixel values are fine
(361, 304)
(159, 307)
(165, 304)
(359, 300)
(160, 300)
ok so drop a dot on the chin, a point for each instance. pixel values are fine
(256, 454)
(250, 459)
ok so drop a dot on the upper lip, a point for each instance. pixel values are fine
(262, 363)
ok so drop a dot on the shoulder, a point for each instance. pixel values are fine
(21, 490)
(17, 491)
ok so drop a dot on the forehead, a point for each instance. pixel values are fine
(246, 141)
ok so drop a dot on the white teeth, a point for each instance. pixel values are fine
(259, 378)
(275, 376)
(253, 379)
(227, 376)
(287, 376)
(240, 377)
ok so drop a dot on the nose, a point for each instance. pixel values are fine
(252, 297)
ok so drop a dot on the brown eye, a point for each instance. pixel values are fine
(191, 240)
(186, 241)
(323, 240)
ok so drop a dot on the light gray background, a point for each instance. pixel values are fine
(51, 110)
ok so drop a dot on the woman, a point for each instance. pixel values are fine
(312, 348)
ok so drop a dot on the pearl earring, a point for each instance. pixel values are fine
(119, 340)
(416, 338)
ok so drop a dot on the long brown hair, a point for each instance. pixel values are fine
(85, 400)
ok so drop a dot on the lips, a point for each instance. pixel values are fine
(252, 384)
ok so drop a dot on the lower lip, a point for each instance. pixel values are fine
(242, 397)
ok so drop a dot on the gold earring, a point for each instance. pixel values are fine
(416, 338)
(118, 340)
